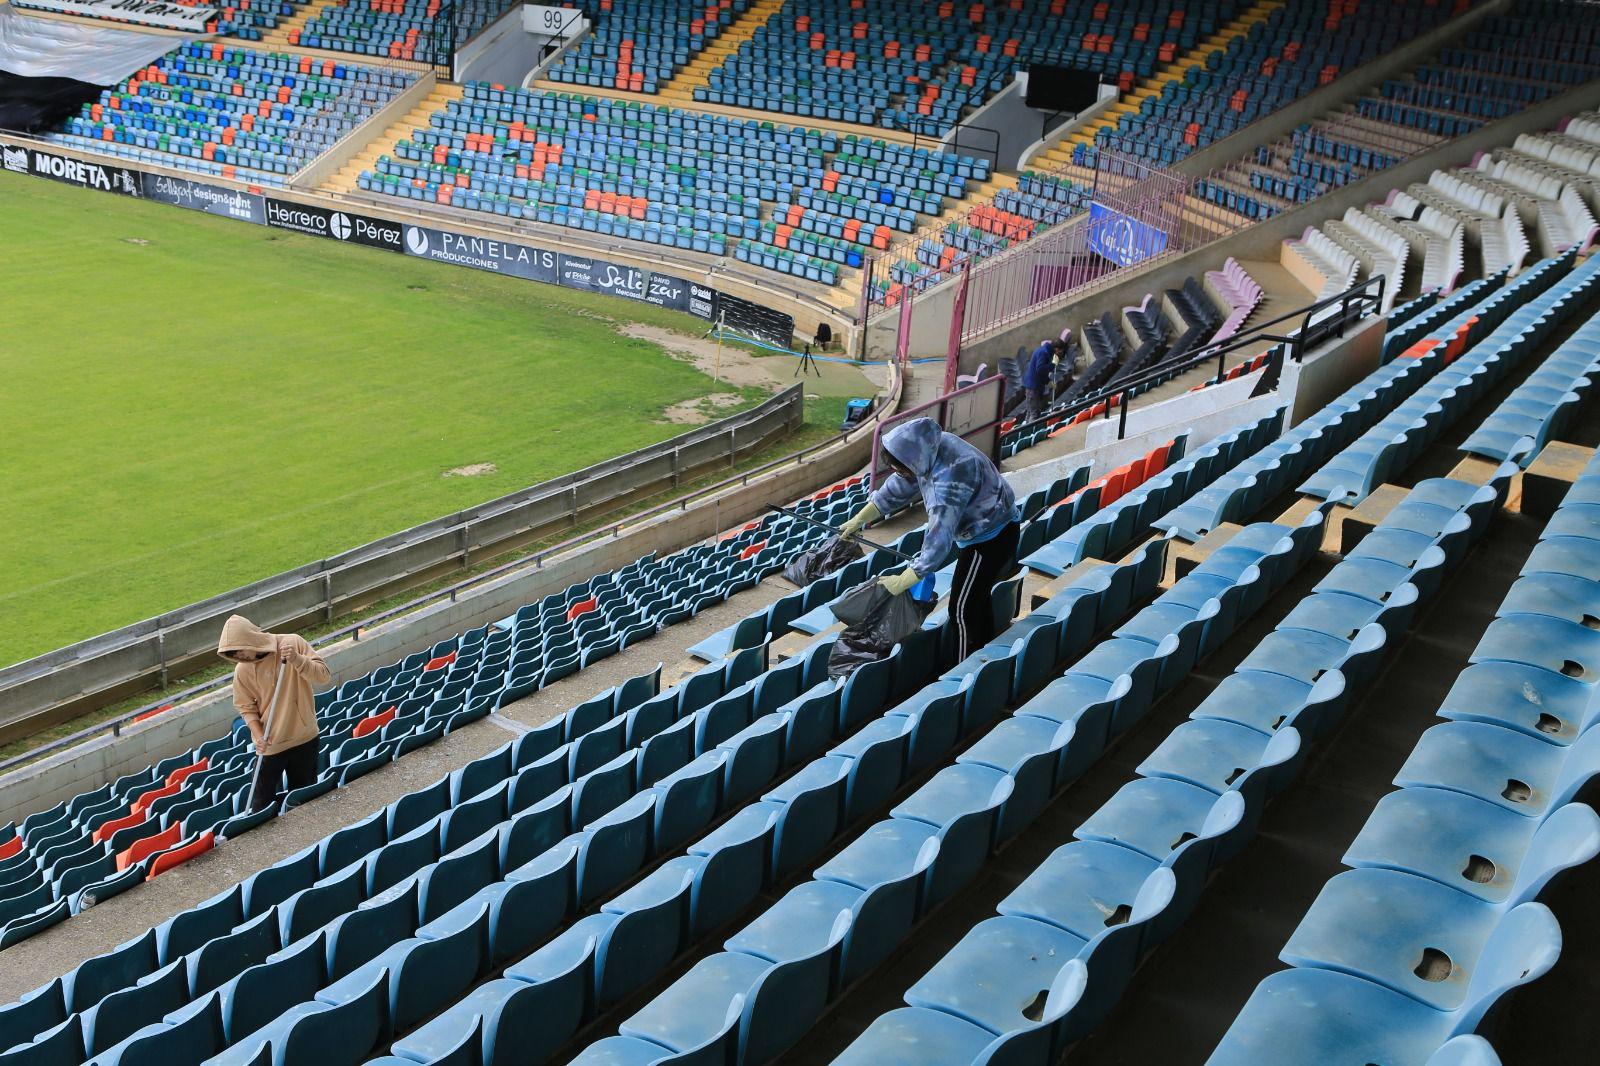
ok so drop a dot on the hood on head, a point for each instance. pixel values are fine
(914, 444)
(241, 634)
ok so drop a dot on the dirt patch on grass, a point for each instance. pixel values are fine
(738, 366)
(472, 470)
(701, 410)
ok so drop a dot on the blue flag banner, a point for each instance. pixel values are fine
(1121, 239)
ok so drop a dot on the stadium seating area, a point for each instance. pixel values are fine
(417, 30)
(106, 841)
(235, 112)
(923, 67)
(792, 200)
(458, 877)
(1482, 824)
(1505, 64)
(640, 46)
(1295, 49)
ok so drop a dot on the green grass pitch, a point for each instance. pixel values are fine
(188, 404)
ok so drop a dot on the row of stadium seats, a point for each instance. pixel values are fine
(672, 177)
(237, 112)
(1506, 63)
(1504, 329)
(536, 788)
(103, 842)
(908, 66)
(640, 46)
(1482, 825)
(1159, 330)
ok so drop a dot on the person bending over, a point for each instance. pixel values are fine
(971, 511)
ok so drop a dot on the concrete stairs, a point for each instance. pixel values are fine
(345, 180)
(277, 38)
(679, 92)
(1061, 153)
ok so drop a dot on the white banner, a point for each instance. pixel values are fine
(143, 12)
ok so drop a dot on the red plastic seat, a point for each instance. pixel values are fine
(142, 849)
(179, 856)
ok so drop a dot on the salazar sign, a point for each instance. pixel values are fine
(338, 225)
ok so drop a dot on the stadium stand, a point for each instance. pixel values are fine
(234, 112)
(1497, 69)
(801, 202)
(674, 753)
(1481, 827)
(1049, 967)
(106, 841)
(416, 30)
(1505, 64)
(904, 66)
(640, 46)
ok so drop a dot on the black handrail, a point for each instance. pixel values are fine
(1357, 297)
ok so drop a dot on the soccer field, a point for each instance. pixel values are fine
(188, 404)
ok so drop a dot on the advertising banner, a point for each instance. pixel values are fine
(425, 242)
(596, 275)
(1121, 239)
(143, 12)
(20, 160)
(338, 225)
(212, 199)
(481, 253)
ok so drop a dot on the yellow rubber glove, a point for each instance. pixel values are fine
(853, 524)
(897, 584)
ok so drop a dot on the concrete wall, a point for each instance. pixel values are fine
(87, 766)
(1332, 368)
(1021, 128)
(1189, 408)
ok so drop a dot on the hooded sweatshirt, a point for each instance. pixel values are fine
(967, 500)
(294, 722)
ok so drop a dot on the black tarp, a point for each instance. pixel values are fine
(31, 104)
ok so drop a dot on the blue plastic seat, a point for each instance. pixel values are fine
(1539, 640)
(1420, 937)
(1529, 699)
(1315, 1015)
(1501, 766)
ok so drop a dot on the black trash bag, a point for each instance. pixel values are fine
(832, 554)
(875, 621)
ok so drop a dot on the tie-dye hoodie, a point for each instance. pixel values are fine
(966, 498)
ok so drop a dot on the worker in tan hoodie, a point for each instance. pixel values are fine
(272, 679)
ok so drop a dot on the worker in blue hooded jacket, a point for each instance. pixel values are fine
(971, 511)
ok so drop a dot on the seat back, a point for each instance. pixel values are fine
(1569, 836)
(1522, 948)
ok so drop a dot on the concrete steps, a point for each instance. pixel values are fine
(1153, 86)
(277, 38)
(679, 92)
(345, 180)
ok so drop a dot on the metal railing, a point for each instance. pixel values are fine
(1320, 321)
